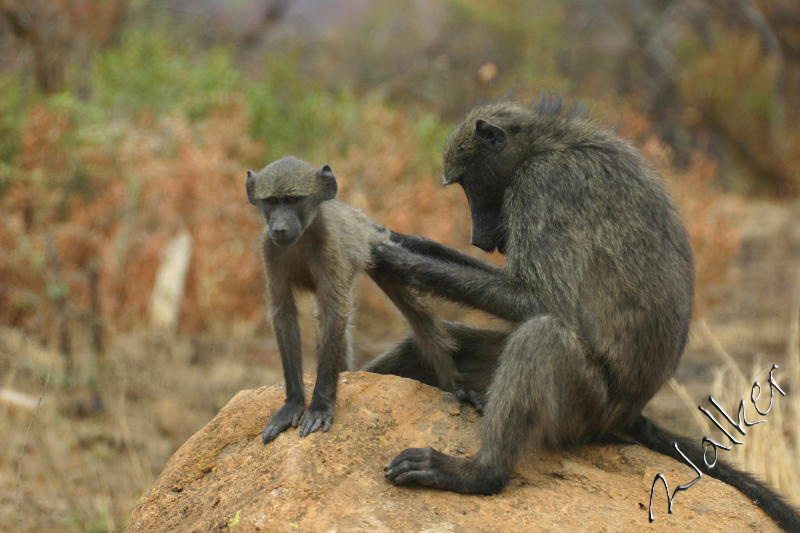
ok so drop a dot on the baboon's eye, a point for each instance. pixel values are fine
(293, 199)
(272, 200)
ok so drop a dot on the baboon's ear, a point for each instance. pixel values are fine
(328, 182)
(493, 136)
(250, 186)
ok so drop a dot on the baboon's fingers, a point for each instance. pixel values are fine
(271, 431)
(405, 467)
(296, 419)
(306, 424)
(410, 455)
(423, 477)
(315, 425)
(428, 467)
(314, 420)
(391, 262)
(472, 397)
(286, 416)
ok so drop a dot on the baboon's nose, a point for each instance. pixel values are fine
(279, 230)
(484, 243)
(282, 235)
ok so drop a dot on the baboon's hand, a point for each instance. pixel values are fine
(472, 397)
(415, 243)
(426, 466)
(288, 415)
(381, 228)
(314, 419)
(392, 262)
(405, 240)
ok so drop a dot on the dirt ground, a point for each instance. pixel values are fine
(68, 467)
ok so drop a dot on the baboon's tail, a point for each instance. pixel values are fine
(660, 440)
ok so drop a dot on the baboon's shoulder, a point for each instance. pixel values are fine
(348, 229)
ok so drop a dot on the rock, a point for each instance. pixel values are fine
(223, 477)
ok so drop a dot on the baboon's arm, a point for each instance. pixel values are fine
(492, 291)
(432, 339)
(334, 304)
(433, 249)
(287, 332)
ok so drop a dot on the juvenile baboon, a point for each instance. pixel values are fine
(315, 243)
(597, 286)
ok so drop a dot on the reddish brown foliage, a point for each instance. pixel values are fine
(115, 209)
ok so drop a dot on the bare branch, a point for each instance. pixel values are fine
(22, 451)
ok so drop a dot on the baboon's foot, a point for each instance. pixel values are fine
(288, 415)
(428, 467)
(471, 397)
(316, 418)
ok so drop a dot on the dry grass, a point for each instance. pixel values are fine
(84, 471)
(770, 449)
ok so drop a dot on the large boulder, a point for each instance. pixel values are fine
(225, 478)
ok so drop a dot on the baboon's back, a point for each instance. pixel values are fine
(605, 249)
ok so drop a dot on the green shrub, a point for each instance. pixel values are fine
(12, 109)
(149, 70)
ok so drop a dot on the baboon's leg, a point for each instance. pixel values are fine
(434, 344)
(542, 379)
(287, 332)
(403, 359)
(475, 356)
(333, 355)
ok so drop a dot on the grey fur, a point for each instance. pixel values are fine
(597, 286)
(312, 242)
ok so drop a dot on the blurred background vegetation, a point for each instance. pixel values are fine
(127, 123)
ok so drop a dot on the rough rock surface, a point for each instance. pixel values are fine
(223, 477)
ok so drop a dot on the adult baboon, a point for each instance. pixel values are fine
(597, 286)
(315, 243)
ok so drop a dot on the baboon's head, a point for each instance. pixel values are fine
(482, 155)
(288, 192)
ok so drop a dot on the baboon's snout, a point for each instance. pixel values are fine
(284, 232)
